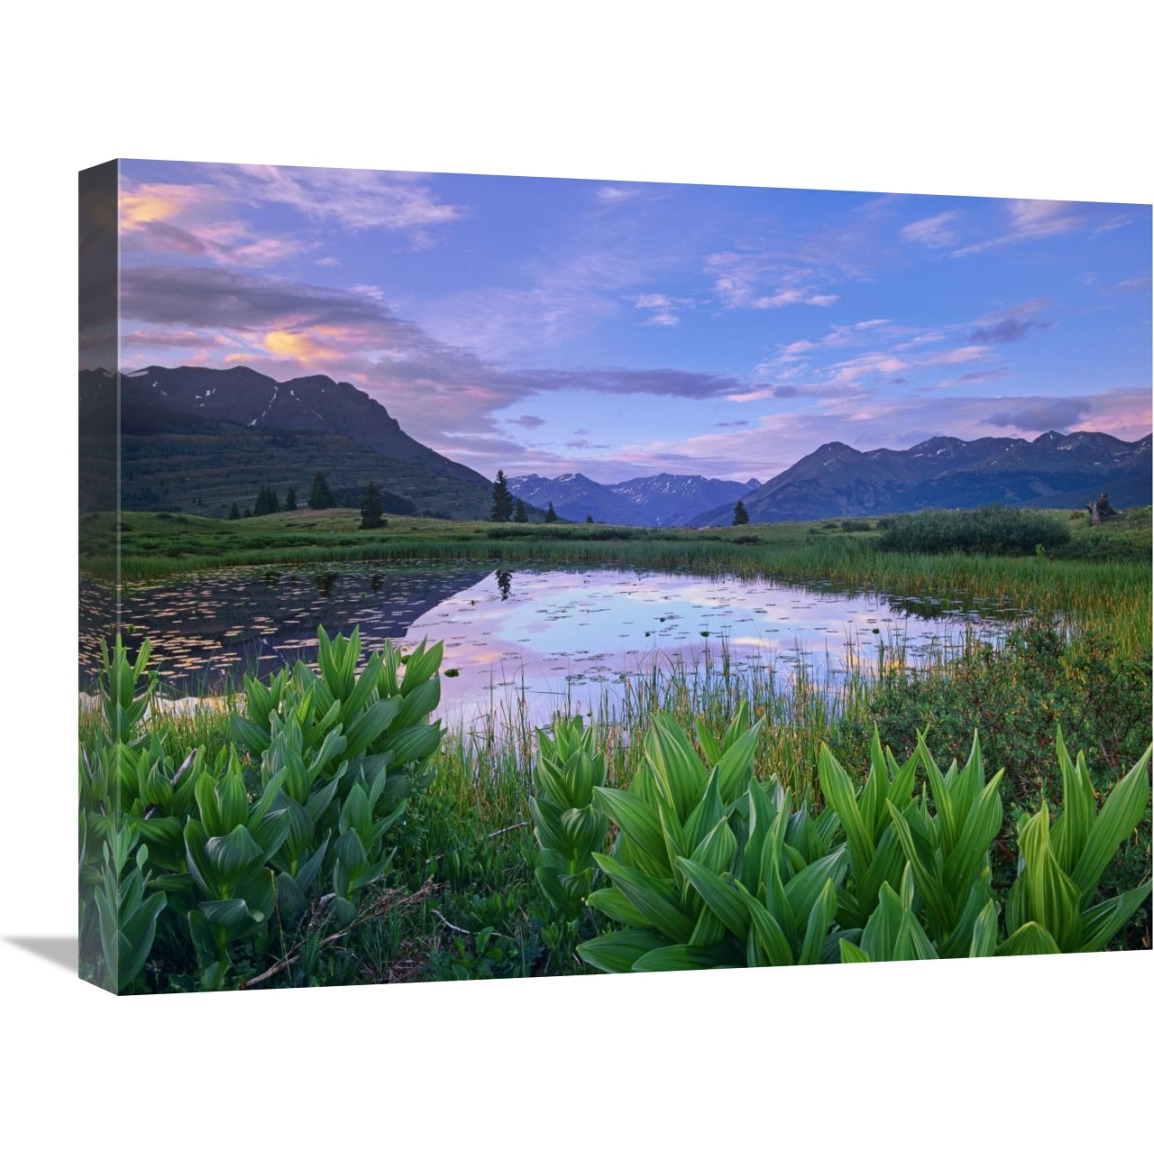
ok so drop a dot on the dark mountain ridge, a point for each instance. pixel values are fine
(196, 439)
(1054, 470)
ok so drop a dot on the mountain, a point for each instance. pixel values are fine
(197, 439)
(1052, 471)
(575, 497)
(665, 499)
(670, 499)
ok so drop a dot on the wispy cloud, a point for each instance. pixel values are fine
(933, 231)
(354, 199)
(617, 193)
(210, 216)
(662, 309)
(1133, 284)
(1022, 221)
(739, 281)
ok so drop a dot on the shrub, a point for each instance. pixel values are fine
(992, 530)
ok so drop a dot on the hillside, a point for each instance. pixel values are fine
(1052, 471)
(196, 440)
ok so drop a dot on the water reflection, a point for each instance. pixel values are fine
(557, 639)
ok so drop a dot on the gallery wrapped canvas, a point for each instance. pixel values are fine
(506, 577)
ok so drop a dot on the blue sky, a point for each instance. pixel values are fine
(621, 330)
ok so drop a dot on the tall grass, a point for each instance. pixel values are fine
(1115, 593)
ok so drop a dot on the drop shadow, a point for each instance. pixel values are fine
(63, 951)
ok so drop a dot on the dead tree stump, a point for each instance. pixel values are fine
(1100, 510)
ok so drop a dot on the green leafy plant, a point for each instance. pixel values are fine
(126, 917)
(1052, 907)
(566, 823)
(945, 845)
(710, 867)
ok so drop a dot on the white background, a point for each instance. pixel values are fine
(982, 98)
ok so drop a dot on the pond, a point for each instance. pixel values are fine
(548, 638)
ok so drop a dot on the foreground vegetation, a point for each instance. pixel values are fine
(323, 831)
(320, 830)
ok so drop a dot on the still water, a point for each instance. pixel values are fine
(552, 638)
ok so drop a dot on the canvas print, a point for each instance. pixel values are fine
(495, 576)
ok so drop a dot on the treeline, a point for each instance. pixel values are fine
(321, 496)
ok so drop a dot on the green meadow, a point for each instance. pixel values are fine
(318, 829)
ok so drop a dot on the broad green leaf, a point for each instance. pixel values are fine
(851, 952)
(820, 915)
(944, 803)
(717, 850)
(638, 821)
(548, 827)
(677, 771)
(766, 932)
(681, 957)
(920, 858)
(805, 888)
(1054, 899)
(709, 930)
(615, 953)
(374, 721)
(721, 897)
(1072, 829)
(418, 702)
(654, 900)
(1116, 821)
(585, 830)
(1101, 922)
(231, 854)
(881, 931)
(735, 766)
(979, 828)
(230, 913)
(414, 743)
(614, 904)
(364, 690)
(984, 939)
(706, 813)
(838, 791)
(423, 662)
(1028, 939)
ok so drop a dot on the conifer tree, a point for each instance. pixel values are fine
(234, 512)
(502, 499)
(321, 496)
(371, 508)
(550, 514)
(266, 502)
(290, 500)
(740, 514)
(520, 513)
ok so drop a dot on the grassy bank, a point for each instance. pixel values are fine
(1101, 578)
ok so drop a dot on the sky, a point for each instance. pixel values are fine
(626, 329)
